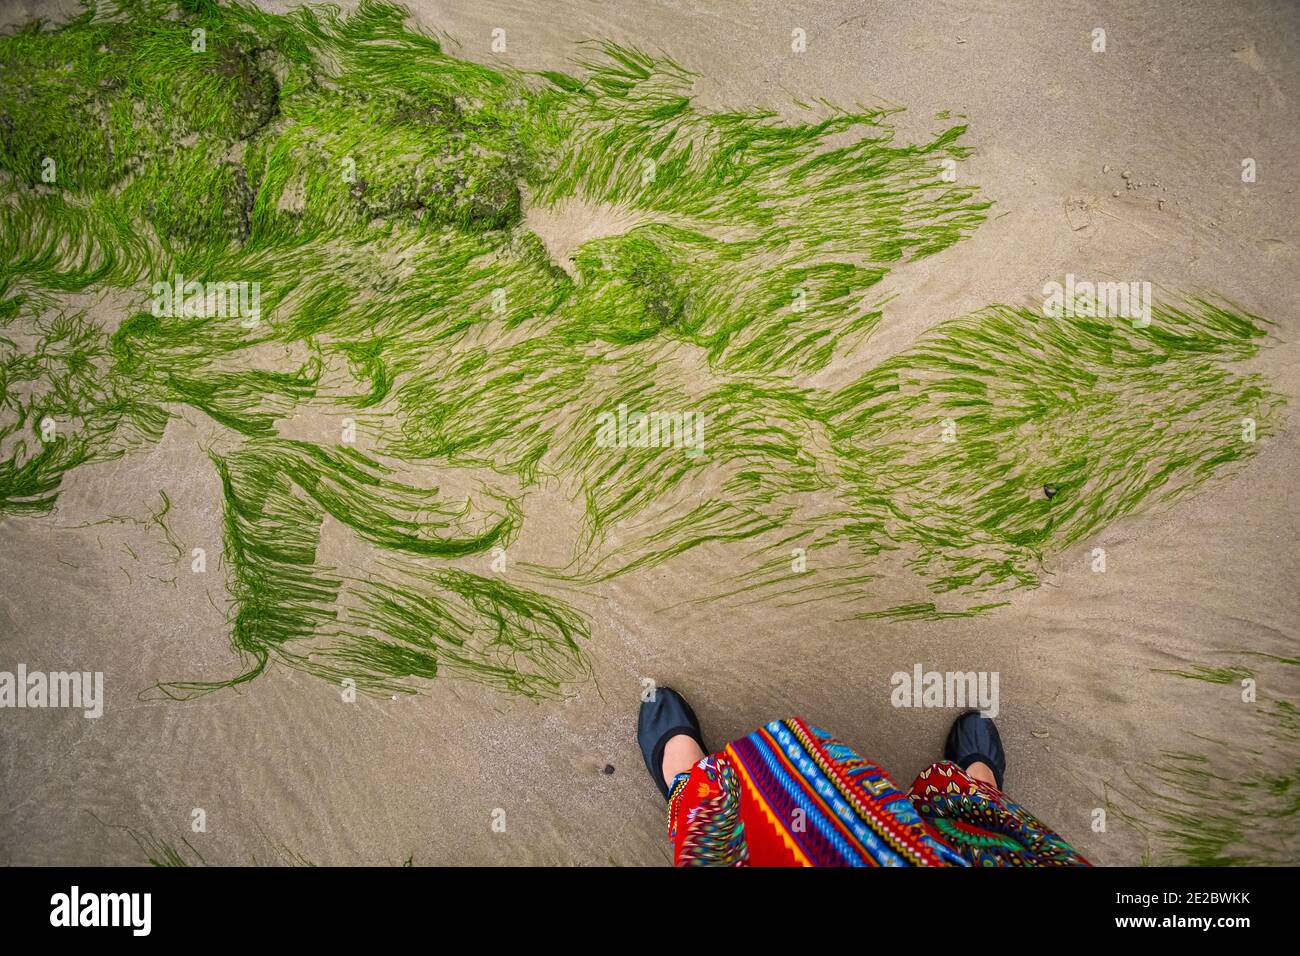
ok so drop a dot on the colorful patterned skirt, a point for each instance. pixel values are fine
(789, 794)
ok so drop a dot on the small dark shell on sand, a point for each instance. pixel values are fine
(1049, 491)
(609, 768)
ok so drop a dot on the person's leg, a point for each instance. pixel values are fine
(668, 733)
(961, 797)
(681, 753)
(704, 824)
(785, 795)
(974, 745)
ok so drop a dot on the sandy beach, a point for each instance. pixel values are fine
(1120, 691)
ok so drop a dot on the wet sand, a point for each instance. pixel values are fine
(285, 770)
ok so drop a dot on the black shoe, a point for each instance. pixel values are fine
(974, 738)
(662, 719)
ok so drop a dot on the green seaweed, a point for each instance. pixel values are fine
(1223, 803)
(378, 191)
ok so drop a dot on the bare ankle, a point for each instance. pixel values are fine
(681, 753)
(982, 772)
